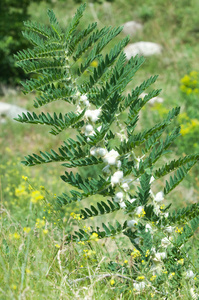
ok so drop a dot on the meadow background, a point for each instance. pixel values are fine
(34, 263)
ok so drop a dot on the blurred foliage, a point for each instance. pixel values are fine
(189, 118)
(12, 15)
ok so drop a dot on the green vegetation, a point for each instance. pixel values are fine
(37, 259)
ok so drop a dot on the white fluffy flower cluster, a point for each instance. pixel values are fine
(111, 158)
(116, 177)
(98, 151)
(159, 197)
(89, 130)
(84, 100)
(93, 115)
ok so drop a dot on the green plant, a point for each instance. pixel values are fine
(129, 162)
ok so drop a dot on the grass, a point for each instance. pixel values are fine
(34, 261)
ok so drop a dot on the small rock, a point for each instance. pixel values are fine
(132, 28)
(10, 111)
(153, 100)
(142, 48)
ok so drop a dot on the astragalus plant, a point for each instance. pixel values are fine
(105, 121)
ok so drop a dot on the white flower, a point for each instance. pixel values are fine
(125, 186)
(102, 152)
(99, 128)
(157, 210)
(93, 151)
(116, 178)
(88, 129)
(152, 179)
(139, 286)
(111, 157)
(139, 210)
(118, 164)
(148, 228)
(159, 256)
(132, 223)
(122, 204)
(159, 197)
(118, 197)
(84, 99)
(165, 242)
(169, 229)
(97, 151)
(93, 114)
(132, 200)
(190, 274)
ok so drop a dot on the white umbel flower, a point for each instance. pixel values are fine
(93, 115)
(111, 157)
(116, 178)
(159, 197)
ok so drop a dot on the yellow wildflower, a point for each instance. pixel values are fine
(28, 271)
(180, 261)
(76, 216)
(136, 253)
(15, 236)
(153, 277)
(21, 190)
(26, 229)
(40, 223)
(179, 230)
(94, 237)
(36, 196)
(112, 281)
(140, 277)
